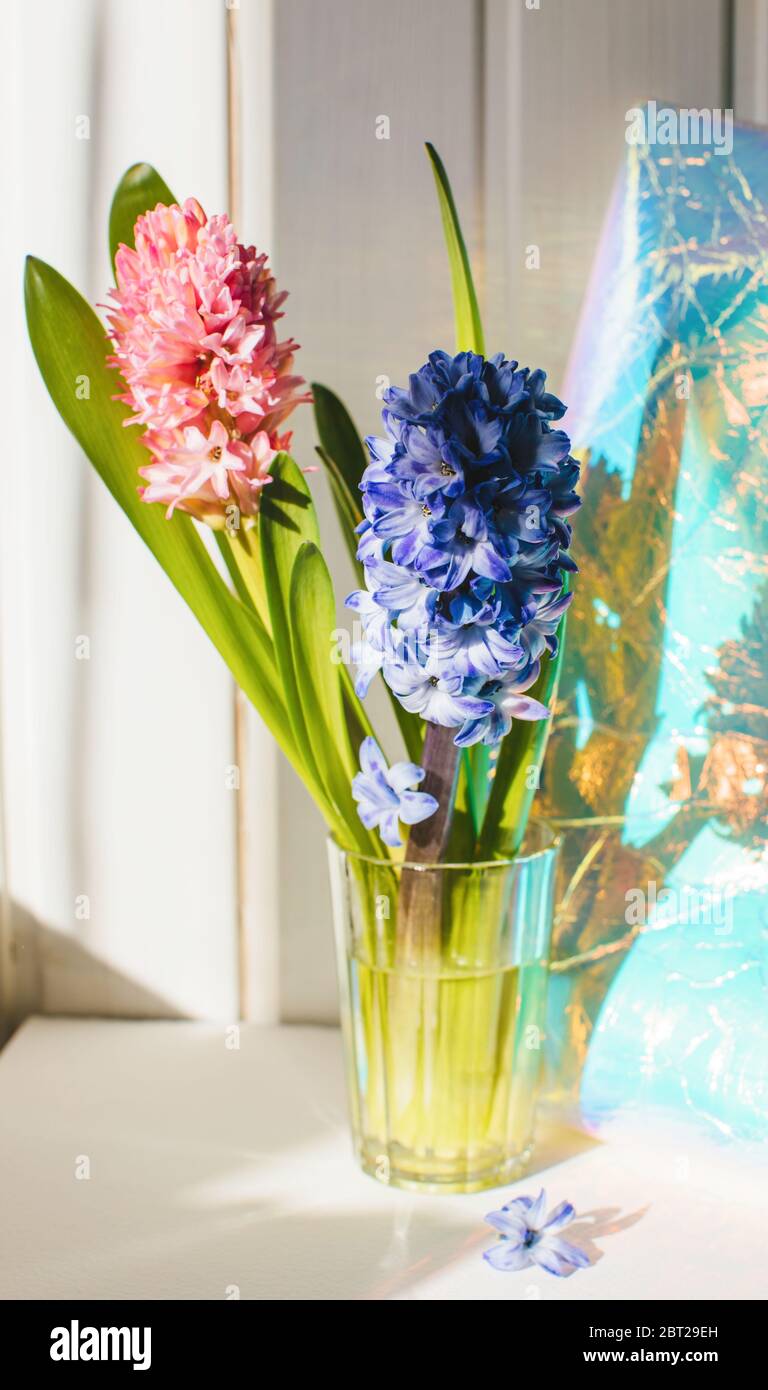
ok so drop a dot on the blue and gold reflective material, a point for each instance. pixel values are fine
(657, 771)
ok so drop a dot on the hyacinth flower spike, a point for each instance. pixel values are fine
(193, 319)
(469, 580)
(200, 375)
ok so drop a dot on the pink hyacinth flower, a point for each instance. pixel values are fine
(193, 324)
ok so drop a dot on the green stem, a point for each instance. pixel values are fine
(518, 768)
(242, 556)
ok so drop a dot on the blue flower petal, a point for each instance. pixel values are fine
(536, 1210)
(557, 1256)
(549, 1260)
(559, 1217)
(506, 1256)
(405, 776)
(416, 807)
(567, 1251)
(372, 760)
(513, 1227)
(389, 831)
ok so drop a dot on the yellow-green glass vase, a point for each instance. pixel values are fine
(443, 981)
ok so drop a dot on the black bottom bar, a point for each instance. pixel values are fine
(537, 1336)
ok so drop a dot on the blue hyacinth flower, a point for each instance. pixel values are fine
(386, 795)
(527, 1239)
(465, 542)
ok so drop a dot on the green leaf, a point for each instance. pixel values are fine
(286, 522)
(70, 346)
(312, 621)
(340, 440)
(469, 328)
(469, 338)
(347, 513)
(139, 190)
(461, 846)
(523, 749)
(344, 460)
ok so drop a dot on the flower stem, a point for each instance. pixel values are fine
(420, 901)
(428, 841)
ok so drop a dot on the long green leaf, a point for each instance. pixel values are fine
(139, 190)
(518, 767)
(469, 338)
(469, 328)
(348, 514)
(286, 522)
(313, 620)
(340, 439)
(70, 346)
(344, 458)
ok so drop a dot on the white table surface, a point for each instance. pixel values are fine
(216, 1172)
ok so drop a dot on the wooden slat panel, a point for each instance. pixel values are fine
(359, 246)
(528, 109)
(750, 60)
(258, 856)
(556, 103)
(114, 767)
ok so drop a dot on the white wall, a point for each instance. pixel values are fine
(114, 769)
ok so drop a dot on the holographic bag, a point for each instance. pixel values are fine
(657, 769)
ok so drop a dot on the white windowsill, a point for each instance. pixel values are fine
(212, 1168)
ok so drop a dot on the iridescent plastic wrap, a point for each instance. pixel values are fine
(658, 765)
